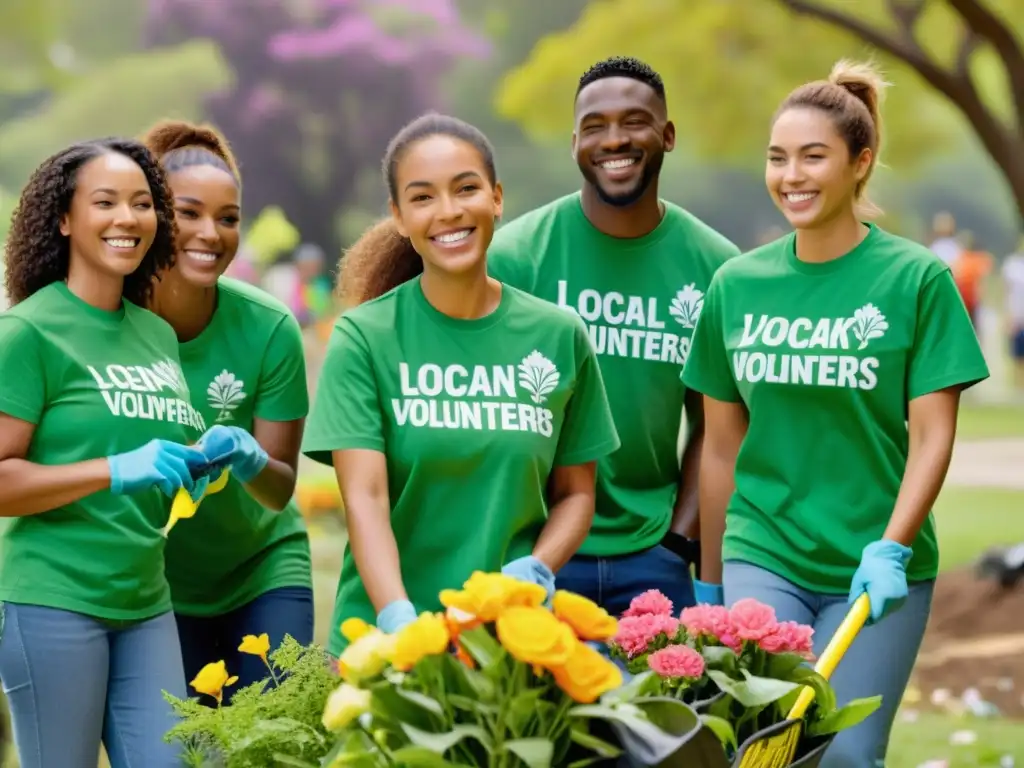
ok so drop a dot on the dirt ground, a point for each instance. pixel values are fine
(975, 639)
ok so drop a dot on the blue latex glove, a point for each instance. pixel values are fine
(883, 575)
(531, 570)
(246, 456)
(395, 615)
(710, 594)
(161, 463)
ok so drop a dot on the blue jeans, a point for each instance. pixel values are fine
(279, 612)
(612, 582)
(73, 681)
(879, 661)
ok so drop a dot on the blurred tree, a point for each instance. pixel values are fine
(321, 87)
(726, 61)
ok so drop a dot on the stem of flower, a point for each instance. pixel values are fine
(380, 749)
(273, 675)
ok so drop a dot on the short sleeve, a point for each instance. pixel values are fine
(707, 369)
(588, 431)
(346, 411)
(507, 262)
(946, 351)
(283, 394)
(23, 383)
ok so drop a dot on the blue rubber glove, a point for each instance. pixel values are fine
(396, 615)
(531, 570)
(709, 594)
(246, 456)
(883, 575)
(161, 463)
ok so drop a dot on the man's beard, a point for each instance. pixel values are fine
(625, 199)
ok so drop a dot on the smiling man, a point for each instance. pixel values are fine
(636, 269)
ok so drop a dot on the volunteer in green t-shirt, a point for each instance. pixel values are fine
(462, 416)
(94, 426)
(832, 363)
(241, 565)
(636, 269)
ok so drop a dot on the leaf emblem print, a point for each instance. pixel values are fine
(869, 323)
(686, 306)
(538, 376)
(225, 393)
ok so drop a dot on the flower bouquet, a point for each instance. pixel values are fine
(741, 669)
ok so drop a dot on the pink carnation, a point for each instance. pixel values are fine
(703, 619)
(752, 620)
(650, 602)
(789, 637)
(636, 632)
(677, 661)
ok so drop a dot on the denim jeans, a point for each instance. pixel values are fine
(73, 681)
(879, 661)
(279, 612)
(612, 582)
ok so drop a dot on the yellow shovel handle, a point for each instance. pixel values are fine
(834, 651)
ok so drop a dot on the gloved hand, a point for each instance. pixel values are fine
(531, 570)
(710, 594)
(883, 575)
(395, 615)
(161, 463)
(246, 456)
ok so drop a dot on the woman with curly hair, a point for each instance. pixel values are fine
(94, 418)
(242, 565)
(463, 417)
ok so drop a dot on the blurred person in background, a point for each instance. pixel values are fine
(1013, 280)
(832, 363)
(944, 242)
(314, 299)
(94, 422)
(463, 417)
(970, 270)
(241, 565)
(636, 268)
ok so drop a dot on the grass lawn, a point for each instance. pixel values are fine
(915, 743)
(978, 422)
(970, 520)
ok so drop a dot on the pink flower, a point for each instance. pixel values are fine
(636, 632)
(789, 637)
(703, 619)
(649, 602)
(677, 661)
(752, 620)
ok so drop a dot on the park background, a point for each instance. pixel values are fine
(309, 91)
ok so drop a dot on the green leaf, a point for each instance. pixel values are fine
(468, 704)
(419, 757)
(720, 658)
(442, 742)
(644, 684)
(536, 753)
(293, 761)
(587, 740)
(428, 703)
(753, 691)
(485, 650)
(390, 702)
(845, 717)
(782, 665)
(722, 728)
(472, 680)
(824, 694)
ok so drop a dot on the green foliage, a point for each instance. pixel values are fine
(265, 723)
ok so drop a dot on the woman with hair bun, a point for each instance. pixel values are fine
(831, 363)
(241, 565)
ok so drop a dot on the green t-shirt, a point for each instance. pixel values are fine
(472, 416)
(640, 299)
(825, 357)
(95, 384)
(247, 364)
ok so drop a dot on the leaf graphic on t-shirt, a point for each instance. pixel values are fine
(225, 393)
(869, 323)
(686, 306)
(538, 376)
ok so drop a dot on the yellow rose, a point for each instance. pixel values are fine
(427, 636)
(534, 636)
(587, 675)
(486, 595)
(589, 620)
(256, 646)
(366, 657)
(212, 679)
(344, 705)
(354, 628)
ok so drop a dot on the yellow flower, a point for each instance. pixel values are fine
(366, 657)
(427, 636)
(589, 620)
(534, 636)
(354, 628)
(256, 646)
(587, 675)
(212, 679)
(486, 595)
(344, 705)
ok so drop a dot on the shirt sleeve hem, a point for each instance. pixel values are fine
(283, 414)
(963, 379)
(716, 393)
(321, 450)
(588, 454)
(19, 410)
